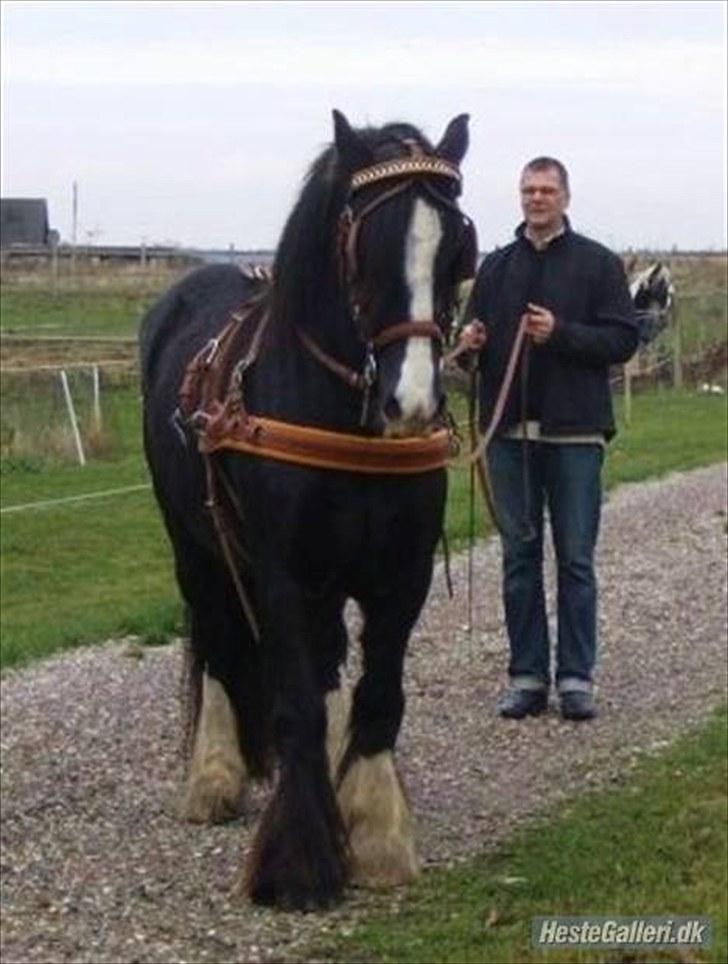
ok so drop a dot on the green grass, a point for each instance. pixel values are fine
(83, 572)
(653, 847)
(98, 300)
(669, 432)
(34, 426)
(78, 573)
(73, 312)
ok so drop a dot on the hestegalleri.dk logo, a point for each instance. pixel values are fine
(610, 932)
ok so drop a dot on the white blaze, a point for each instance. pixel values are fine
(415, 389)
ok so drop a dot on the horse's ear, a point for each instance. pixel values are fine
(352, 150)
(454, 141)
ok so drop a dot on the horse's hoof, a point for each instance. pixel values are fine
(212, 800)
(391, 866)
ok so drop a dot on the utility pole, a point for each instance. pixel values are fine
(74, 225)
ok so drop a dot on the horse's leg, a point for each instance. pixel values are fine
(227, 690)
(216, 774)
(328, 646)
(298, 856)
(371, 796)
(338, 716)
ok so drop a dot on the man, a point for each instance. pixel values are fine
(571, 295)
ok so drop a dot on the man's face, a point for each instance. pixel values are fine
(543, 199)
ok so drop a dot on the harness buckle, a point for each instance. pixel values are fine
(179, 424)
(199, 420)
(236, 378)
(369, 372)
(212, 348)
(368, 378)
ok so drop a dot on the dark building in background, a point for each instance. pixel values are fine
(24, 221)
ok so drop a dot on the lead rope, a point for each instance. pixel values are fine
(479, 451)
(472, 390)
(212, 503)
(446, 562)
(529, 532)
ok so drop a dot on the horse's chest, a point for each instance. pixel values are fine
(347, 542)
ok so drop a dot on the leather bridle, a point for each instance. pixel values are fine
(418, 168)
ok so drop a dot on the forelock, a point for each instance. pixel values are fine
(390, 141)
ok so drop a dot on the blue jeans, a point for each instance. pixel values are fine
(567, 479)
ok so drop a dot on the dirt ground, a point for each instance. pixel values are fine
(96, 867)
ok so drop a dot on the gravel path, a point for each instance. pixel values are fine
(96, 868)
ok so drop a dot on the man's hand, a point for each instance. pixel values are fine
(473, 336)
(540, 323)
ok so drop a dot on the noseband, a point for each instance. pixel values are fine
(406, 171)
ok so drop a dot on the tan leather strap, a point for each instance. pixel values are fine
(226, 537)
(350, 223)
(321, 448)
(407, 329)
(207, 376)
(353, 379)
(358, 380)
(500, 403)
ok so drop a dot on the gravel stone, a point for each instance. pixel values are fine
(96, 866)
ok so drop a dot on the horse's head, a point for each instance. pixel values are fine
(404, 249)
(652, 293)
(652, 289)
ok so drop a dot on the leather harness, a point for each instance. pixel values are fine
(211, 396)
(211, 402)
(211, 393)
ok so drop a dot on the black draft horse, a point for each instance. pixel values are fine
(314, 537)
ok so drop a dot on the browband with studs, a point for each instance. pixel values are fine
(403, 166)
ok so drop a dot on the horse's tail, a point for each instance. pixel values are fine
(193, 668)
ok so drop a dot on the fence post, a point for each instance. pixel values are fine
(629, 367)
(54, 266)
(72, 417)
(97, 398)
(677, 369)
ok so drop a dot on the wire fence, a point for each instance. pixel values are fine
(70, 412)
(69, 379)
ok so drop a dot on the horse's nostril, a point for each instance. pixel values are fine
(392, 409)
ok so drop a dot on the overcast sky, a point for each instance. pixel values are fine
(194, 123)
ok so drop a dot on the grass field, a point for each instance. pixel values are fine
(104, 300)
(655, 846)
(84, 571)
(94, 300)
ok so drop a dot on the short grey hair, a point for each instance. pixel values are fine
(548, 164)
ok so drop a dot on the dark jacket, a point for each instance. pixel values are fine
(567, 378)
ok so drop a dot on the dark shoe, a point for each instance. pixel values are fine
(517, 703)
(577, 705)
